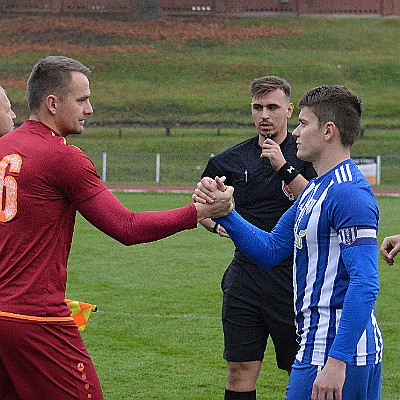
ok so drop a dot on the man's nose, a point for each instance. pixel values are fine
(265, 113)
(89, 109)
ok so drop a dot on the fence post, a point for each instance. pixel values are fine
(158, 165)
(378, 170)
(104, 171)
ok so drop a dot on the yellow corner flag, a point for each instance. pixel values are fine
(80, 312)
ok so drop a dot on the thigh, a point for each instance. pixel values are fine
(301, 381)
(363, 382)
(47, 362)
(285, 342)
(245, 332)
(7, 389)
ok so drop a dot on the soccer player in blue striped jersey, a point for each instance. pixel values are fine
(332, 231)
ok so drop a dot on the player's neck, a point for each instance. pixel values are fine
(330, 160)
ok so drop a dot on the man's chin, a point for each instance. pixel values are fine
(302, 157)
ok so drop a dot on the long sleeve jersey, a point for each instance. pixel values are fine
(43, 183)
(332, 232)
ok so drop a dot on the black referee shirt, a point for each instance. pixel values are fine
(261, 197)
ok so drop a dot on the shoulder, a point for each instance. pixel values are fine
(231, 155)
(240, 148)
(347, 178)
(351, 200)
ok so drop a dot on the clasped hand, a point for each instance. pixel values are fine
(216, 195)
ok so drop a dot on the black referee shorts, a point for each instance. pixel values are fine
(258, 305)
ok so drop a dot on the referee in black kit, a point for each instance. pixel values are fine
(267, 177)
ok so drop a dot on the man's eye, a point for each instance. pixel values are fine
(257, 107)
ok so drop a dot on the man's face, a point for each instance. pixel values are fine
(270, 114)
(6, 114)
(71, 112)
(309, 136)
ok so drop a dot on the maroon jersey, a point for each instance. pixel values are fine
(42, 180)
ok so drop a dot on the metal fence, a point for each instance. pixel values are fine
(185, 169)
(149, 169)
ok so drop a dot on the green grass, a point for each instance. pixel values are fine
(158, 335)
(207, 80)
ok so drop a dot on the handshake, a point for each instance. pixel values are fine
(213, 199)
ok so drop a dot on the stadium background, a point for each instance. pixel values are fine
(223, 7)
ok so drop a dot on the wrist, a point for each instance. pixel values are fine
(214, 227)
(287, 173)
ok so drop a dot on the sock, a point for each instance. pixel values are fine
(231, 395)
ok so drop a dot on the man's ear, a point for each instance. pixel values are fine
(51, 103)
(290, 110)
(331, 130)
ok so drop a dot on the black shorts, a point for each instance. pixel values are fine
(258, 305)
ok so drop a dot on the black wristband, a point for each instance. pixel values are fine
(287, 173)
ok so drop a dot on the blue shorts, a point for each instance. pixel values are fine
(361, 383)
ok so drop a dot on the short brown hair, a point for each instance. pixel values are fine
(339, 105)
(261, 86)
(51, 75)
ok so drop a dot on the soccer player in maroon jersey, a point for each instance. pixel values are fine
(43, 183)
(7, 115)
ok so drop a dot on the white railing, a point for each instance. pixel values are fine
(185, 169)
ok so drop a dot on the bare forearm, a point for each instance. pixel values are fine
(297, 185)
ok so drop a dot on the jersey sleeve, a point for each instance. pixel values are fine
(106, 213)
(76, 177)
(352, 204)
(361, 262)
(354, 216)
(263, 248)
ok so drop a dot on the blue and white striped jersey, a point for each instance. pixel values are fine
(332, 230)
(335, 237)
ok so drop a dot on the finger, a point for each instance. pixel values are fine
(220, 183)
(198, 199)
(221, 229)
(202, 197)
(314, 393)
(207, 187)
(221, 178)
(394, 251)
(207, 183)
(329, 396)
(390, 259)
(229, 190)
(384, 252)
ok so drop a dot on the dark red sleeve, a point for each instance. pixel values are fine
(107, 213)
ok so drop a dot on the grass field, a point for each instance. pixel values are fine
(157, 334)
(198, 73)
(205, 78)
